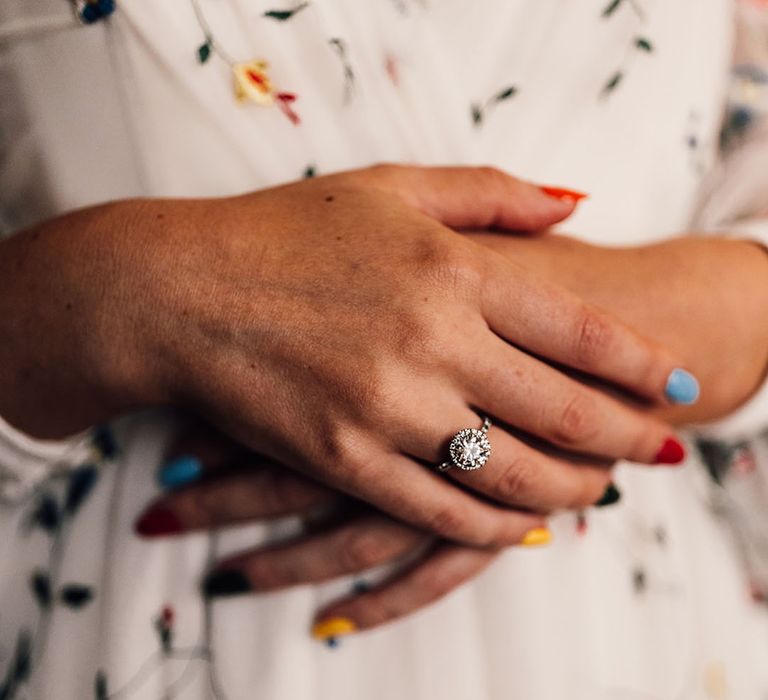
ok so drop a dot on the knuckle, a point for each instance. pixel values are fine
(340, 447)
(368, 393)
(265, 573)
(577, 422)
(517, 480)
(451, 264)
(418, 337)
(361, 549)
(594, 337)
(447, 522)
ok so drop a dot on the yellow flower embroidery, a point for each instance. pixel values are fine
(252, 84)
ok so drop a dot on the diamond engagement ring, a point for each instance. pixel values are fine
(469, 449)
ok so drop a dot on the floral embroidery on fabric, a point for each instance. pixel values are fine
(167, 656)
(616, 4)
(251, 81)
(53, 507)
(639, 45)
(748, 101)
(738, 471)
(340, 47)
(694, 142)
(90, 11)
(283, 15)
(582, 524)
(479, 110)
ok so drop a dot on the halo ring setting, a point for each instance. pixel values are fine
(469, 449)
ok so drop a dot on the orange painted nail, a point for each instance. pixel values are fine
(563, 194)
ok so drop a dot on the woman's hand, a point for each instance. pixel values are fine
(213, 483)
(704, 297)
(339, 326)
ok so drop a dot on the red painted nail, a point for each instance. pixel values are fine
(563, 194)
(157, 522)
(671, 452)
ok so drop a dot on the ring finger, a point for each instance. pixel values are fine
(515, 474)
(360, 544)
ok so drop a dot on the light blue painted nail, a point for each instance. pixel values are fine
(682, 387)
(180, 471)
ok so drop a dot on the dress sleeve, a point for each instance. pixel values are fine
(735, 196)
(26, 462)
(735, 204)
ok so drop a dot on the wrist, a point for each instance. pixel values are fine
(68, 358)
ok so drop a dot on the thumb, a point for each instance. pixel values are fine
(478, 197)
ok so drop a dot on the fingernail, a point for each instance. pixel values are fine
(612, 495)
(333, 627)
(225, 582)
(671, 452)
(682, 387)
(563, 194)
(157, 522)
(537, 537)
(180, 471)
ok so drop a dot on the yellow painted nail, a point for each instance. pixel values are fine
(537, 537)
(333, 627)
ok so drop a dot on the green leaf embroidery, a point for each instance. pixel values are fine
(309, 171)
(608, 11)
(644, 44)
(103, 439)
(340, 47)
(100, 686)
(505, 94)
(47, 515)
(477, 114)
(81, 484)
(22, 660)
(75, 595)
(613, 83)
(40, 583)
(204, 51)
(283, 15)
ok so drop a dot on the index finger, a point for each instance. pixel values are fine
(441, 571)
(549, 321)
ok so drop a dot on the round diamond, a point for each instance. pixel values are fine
(470, 449)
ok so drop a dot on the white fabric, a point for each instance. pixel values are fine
(651, 603)
(26, 462)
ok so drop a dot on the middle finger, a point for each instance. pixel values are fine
(528, 394)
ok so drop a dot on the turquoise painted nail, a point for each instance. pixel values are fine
(180, 471)
(682, 387)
